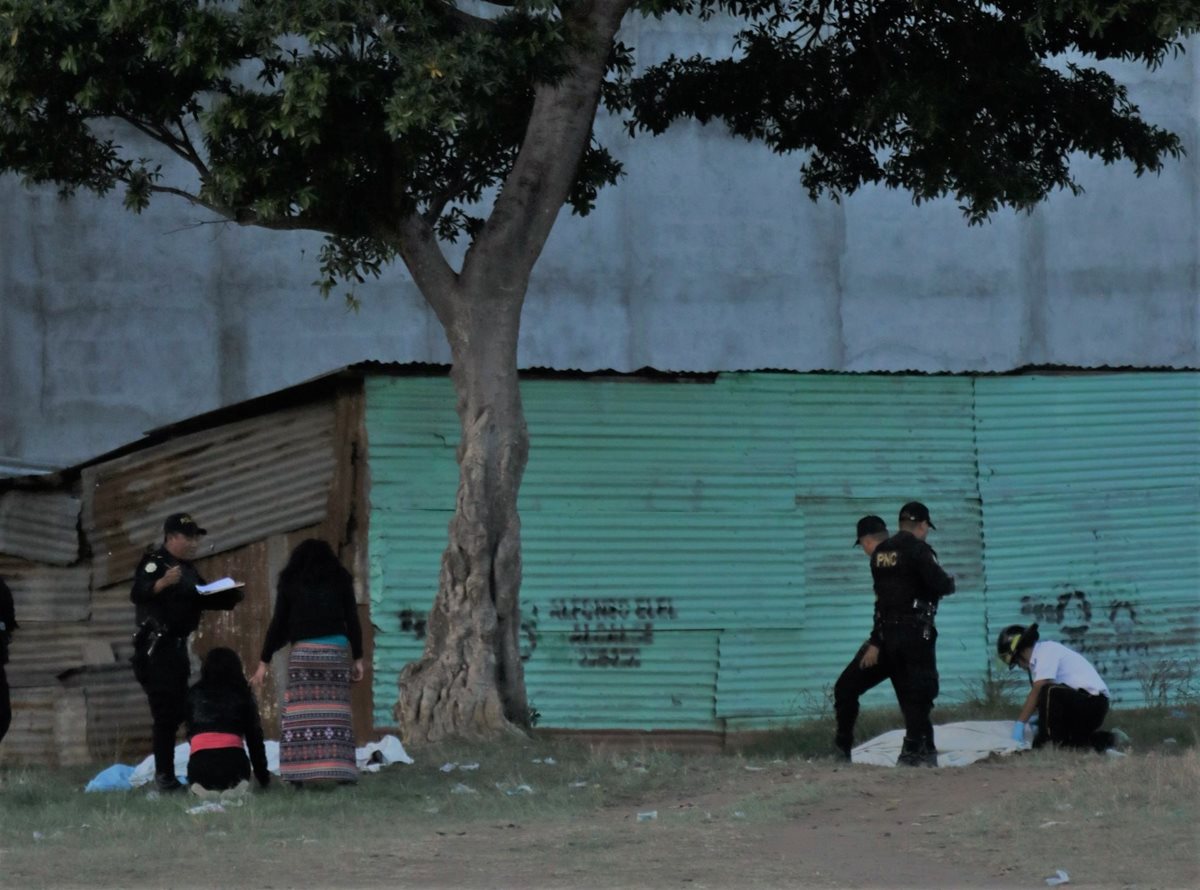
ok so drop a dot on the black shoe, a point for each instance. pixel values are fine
(168, 784)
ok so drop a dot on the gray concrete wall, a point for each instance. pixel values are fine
(708, 256)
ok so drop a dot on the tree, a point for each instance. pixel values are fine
(397, 126)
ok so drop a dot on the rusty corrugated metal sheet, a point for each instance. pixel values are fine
(41, 651)
(47, 593)
(42, 526)
(117, 713)
(244, 481)
(30, 738)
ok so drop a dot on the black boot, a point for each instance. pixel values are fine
(844, 744)
(917, 752)
(167, 783)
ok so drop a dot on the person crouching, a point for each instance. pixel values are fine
(222, 724)
(1067, 693)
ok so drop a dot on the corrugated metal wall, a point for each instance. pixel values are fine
(245, 480)
(687, 546)
(260, 484)
(41, 526)
(1092, 494)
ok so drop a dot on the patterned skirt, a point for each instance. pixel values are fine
(317, 738)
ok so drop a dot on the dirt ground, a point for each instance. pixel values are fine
(1009, 823)
(832, 827)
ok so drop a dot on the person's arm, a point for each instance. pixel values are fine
(8, 612)
(1028, 709)
(151, 578)
(870, 656)
(353, 631)
(277, 636)
(934, 578)
(255, 744)
(1031, 701)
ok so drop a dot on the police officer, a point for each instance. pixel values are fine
(865, 670)
(8, 623)
(908, 585)
(168, 610)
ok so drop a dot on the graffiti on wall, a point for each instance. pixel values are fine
(611, 631)
(1109, 634)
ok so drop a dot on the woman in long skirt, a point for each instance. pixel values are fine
(315, 611)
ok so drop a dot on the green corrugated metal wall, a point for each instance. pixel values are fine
(1092, 494)
(688, 559)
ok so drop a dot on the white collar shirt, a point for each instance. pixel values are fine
(1058, 664)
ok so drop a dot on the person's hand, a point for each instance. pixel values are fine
(356, 673)
(870, 657)
(170, 576)
(260, 674)
(1018, 731)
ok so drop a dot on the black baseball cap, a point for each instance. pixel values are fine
(916, 512)
(869, 525)
(183, 524)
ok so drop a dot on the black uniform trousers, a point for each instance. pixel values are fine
(164, 677)
(5, 704)
(1071, 718)
(910, 648)
(855, 682)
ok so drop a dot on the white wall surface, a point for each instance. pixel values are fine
(708, 256)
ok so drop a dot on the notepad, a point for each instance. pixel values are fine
(219, 585)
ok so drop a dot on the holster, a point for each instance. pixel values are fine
(145, 640)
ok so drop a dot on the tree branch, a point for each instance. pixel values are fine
(560, 126)
(419, 248)
(164, 137)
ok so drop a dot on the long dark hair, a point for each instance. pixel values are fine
(223, 667)
(313, 566)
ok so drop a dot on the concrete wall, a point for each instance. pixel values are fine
(708, 256)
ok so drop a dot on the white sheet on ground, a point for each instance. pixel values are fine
(958, 744)
(371, 758)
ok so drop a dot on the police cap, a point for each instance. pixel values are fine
(869, 525)
(915, 511)
(183, 524)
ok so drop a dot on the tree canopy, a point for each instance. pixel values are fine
(345, 116)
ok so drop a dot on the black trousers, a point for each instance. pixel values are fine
(853, 683)
(5, 704)
(218, 768)
(1071, 718)
(164, 677)
(911, 652)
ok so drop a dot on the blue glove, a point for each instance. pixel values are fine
(1018, 732)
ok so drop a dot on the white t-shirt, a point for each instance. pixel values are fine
(1058, 664)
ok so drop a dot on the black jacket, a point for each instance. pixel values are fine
(908, 580)
(8, 620)
(303, 612)
(177, 607)
(222, 709)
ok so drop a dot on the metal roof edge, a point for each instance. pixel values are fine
(323, 384)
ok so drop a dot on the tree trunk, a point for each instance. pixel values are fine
(470, 683)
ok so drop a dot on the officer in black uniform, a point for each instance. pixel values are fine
(909, 582)
(8, 623)
(865, 670)
(168, 610)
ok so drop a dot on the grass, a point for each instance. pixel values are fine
(583, 798)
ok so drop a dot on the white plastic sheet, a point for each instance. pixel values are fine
(958, 744)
